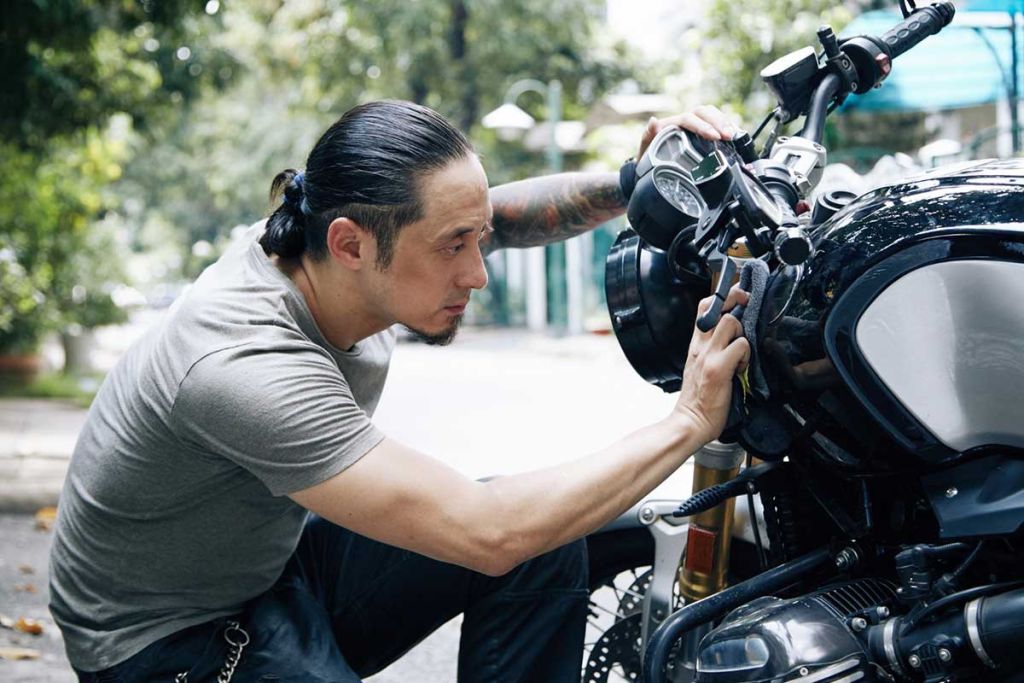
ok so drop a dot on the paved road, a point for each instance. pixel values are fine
(495, 402)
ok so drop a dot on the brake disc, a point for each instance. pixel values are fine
(618, 646)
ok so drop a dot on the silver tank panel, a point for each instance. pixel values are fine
(948, 341)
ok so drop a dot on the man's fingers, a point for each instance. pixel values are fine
(736, 297)
(704, 304)
(721, 121)
(695, 124)
(706, 121)
(737, 354)
(727, 329)
(650, 132)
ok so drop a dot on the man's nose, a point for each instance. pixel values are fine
(475, 275)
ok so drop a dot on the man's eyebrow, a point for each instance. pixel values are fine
(459, 232)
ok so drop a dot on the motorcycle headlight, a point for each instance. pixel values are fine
(653, 301)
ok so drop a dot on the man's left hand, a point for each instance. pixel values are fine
(706, 121)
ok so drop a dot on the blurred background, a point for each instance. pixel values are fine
(137, 136)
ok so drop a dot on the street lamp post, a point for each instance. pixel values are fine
(510, 121)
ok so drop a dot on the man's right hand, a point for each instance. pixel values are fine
(713, 359)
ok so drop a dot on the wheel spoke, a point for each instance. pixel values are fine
(605, 609)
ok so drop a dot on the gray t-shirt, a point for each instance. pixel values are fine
(174, 509)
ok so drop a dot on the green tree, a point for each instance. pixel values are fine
(46, 210)
(67, 65)
(66, 68)
(456, 56)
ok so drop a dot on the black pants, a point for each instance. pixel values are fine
(346, 607)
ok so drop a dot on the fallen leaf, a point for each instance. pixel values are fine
(15, 653)
(30, 626)
(45, 518)
(24, 588)
(6, 621)
(26, 569)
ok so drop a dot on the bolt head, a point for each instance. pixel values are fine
(883, 612)
(804, 671)
(951, 492)
(914, 661)
(647, 515)
(859, 624)
(945, 655)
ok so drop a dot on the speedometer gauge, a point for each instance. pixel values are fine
(679, 190)
(663, 200)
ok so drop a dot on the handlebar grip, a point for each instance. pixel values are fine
(924, 22)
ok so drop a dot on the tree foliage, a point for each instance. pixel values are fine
(456, 56)
(303, 64)
(67, 68)
(54, 264)
(743, 38)
(211, 99)
(66, 65)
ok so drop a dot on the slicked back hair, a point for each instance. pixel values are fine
(366, 167)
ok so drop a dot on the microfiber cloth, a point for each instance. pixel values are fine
(754, 280)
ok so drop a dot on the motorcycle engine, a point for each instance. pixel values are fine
(807, 638)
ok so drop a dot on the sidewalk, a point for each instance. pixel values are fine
(36, 440)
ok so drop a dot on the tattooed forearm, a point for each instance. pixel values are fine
(542, 210)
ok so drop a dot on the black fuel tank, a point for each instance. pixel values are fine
(903, 336)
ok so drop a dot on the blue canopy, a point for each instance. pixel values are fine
(993, 6)
(961, 66)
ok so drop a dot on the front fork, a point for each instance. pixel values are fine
(706, 539)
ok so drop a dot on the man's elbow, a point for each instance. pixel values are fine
(497, 552)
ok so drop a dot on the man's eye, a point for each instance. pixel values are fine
(454, 249)
(485, 233)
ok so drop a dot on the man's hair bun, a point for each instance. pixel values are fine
(285, 234)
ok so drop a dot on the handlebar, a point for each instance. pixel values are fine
(861, 63)
(924, 22)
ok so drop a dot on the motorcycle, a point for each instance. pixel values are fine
(878, 535)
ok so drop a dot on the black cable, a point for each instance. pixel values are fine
(761, 556)
(770, 142)
(705, 499)
(968, 561)
(771, 115)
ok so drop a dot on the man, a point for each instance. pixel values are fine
(182, 549)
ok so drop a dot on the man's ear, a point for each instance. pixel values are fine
(349, 243)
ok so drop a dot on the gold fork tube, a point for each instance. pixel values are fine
(706, 562)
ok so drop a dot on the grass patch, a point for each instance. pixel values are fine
(79, 389)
